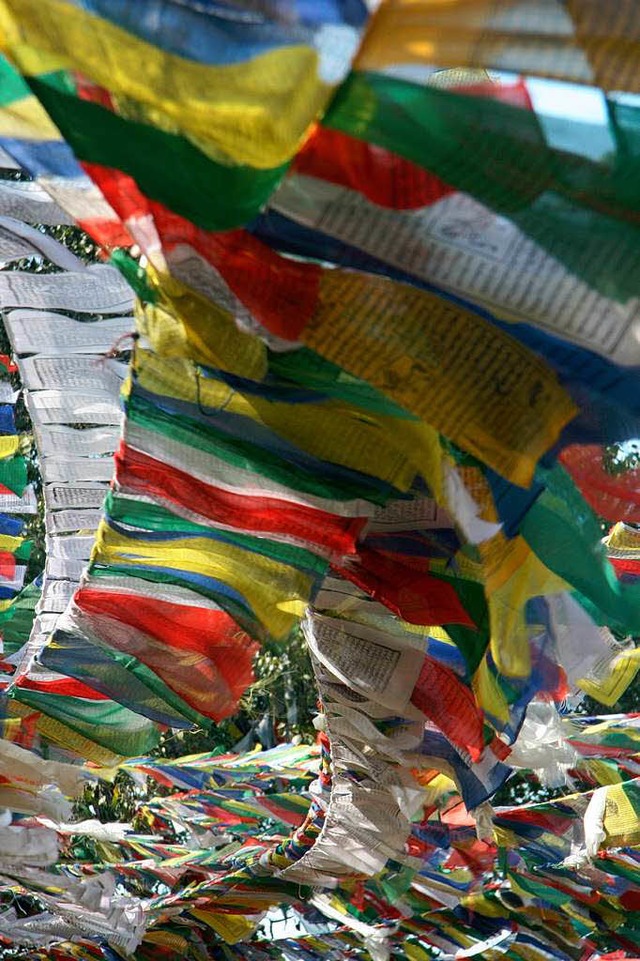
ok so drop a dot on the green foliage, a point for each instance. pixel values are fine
(284, 690)
(620, 458)
(115, 801)
(7, 173)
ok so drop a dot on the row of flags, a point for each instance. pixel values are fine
(385, 340)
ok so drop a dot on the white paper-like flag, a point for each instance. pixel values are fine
(69, 521)
(75, 496)
(70, 546)
(55, 596)
(461, 246)
(58, 440)
(76, 469)
(7, 162)
(12, 504)
(73, 407)
(65, 569)
(26, 200)
(43, 332)
(73, 372)
(18, 240)
(98, 289)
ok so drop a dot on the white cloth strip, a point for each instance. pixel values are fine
(93, 290)
(43, 332)
(76, 371)
(63, 469)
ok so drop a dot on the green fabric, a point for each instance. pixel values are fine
(239, 612)
(17, 620)
(497, 152)
(245, 455)
(313, 372)
(104, 722)
(153, 517)
(471, 141)
(166, 167)
(134, 275)
(540, 890)
(135, 682)
(12, 86)
(13, 474)
(23, 553)
(565, 534)
(471, 644)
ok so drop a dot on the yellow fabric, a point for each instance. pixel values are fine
(462, 376)
(66, 738)
(256, 112)
(467, 34)
(621, 821)
(488, 693)
(131, 109)
(9, 446)
(513, 574)
(231, 927)
(610, 689)
(527, 952)
(9, 543)
(465, 567)
(457, 935)
(267, 585)
(509, 630)
(26, 120)
(415, 952)
(603, 772)
(186, 324)
(435, 785)
(428, 456)
(10, 728)
(456, 33)
(479, 903)
(332, 431)
(623, 541)
(167, 939)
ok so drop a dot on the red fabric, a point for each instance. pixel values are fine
(119, 189)
(199, 652)
(28, 730)
(189, 628)
(294, 818)
(615, 497)
(62, 685)
(6, 362)
(446, 701)
(7, 565)
(88, 90)
(625, 565)
(456, 815)
(333, 535)
(281, 294)
(478, 856)
(500, 749)
(415, 596)
(107, 233)
(515, 94)
(546, 821)
(383, 177)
